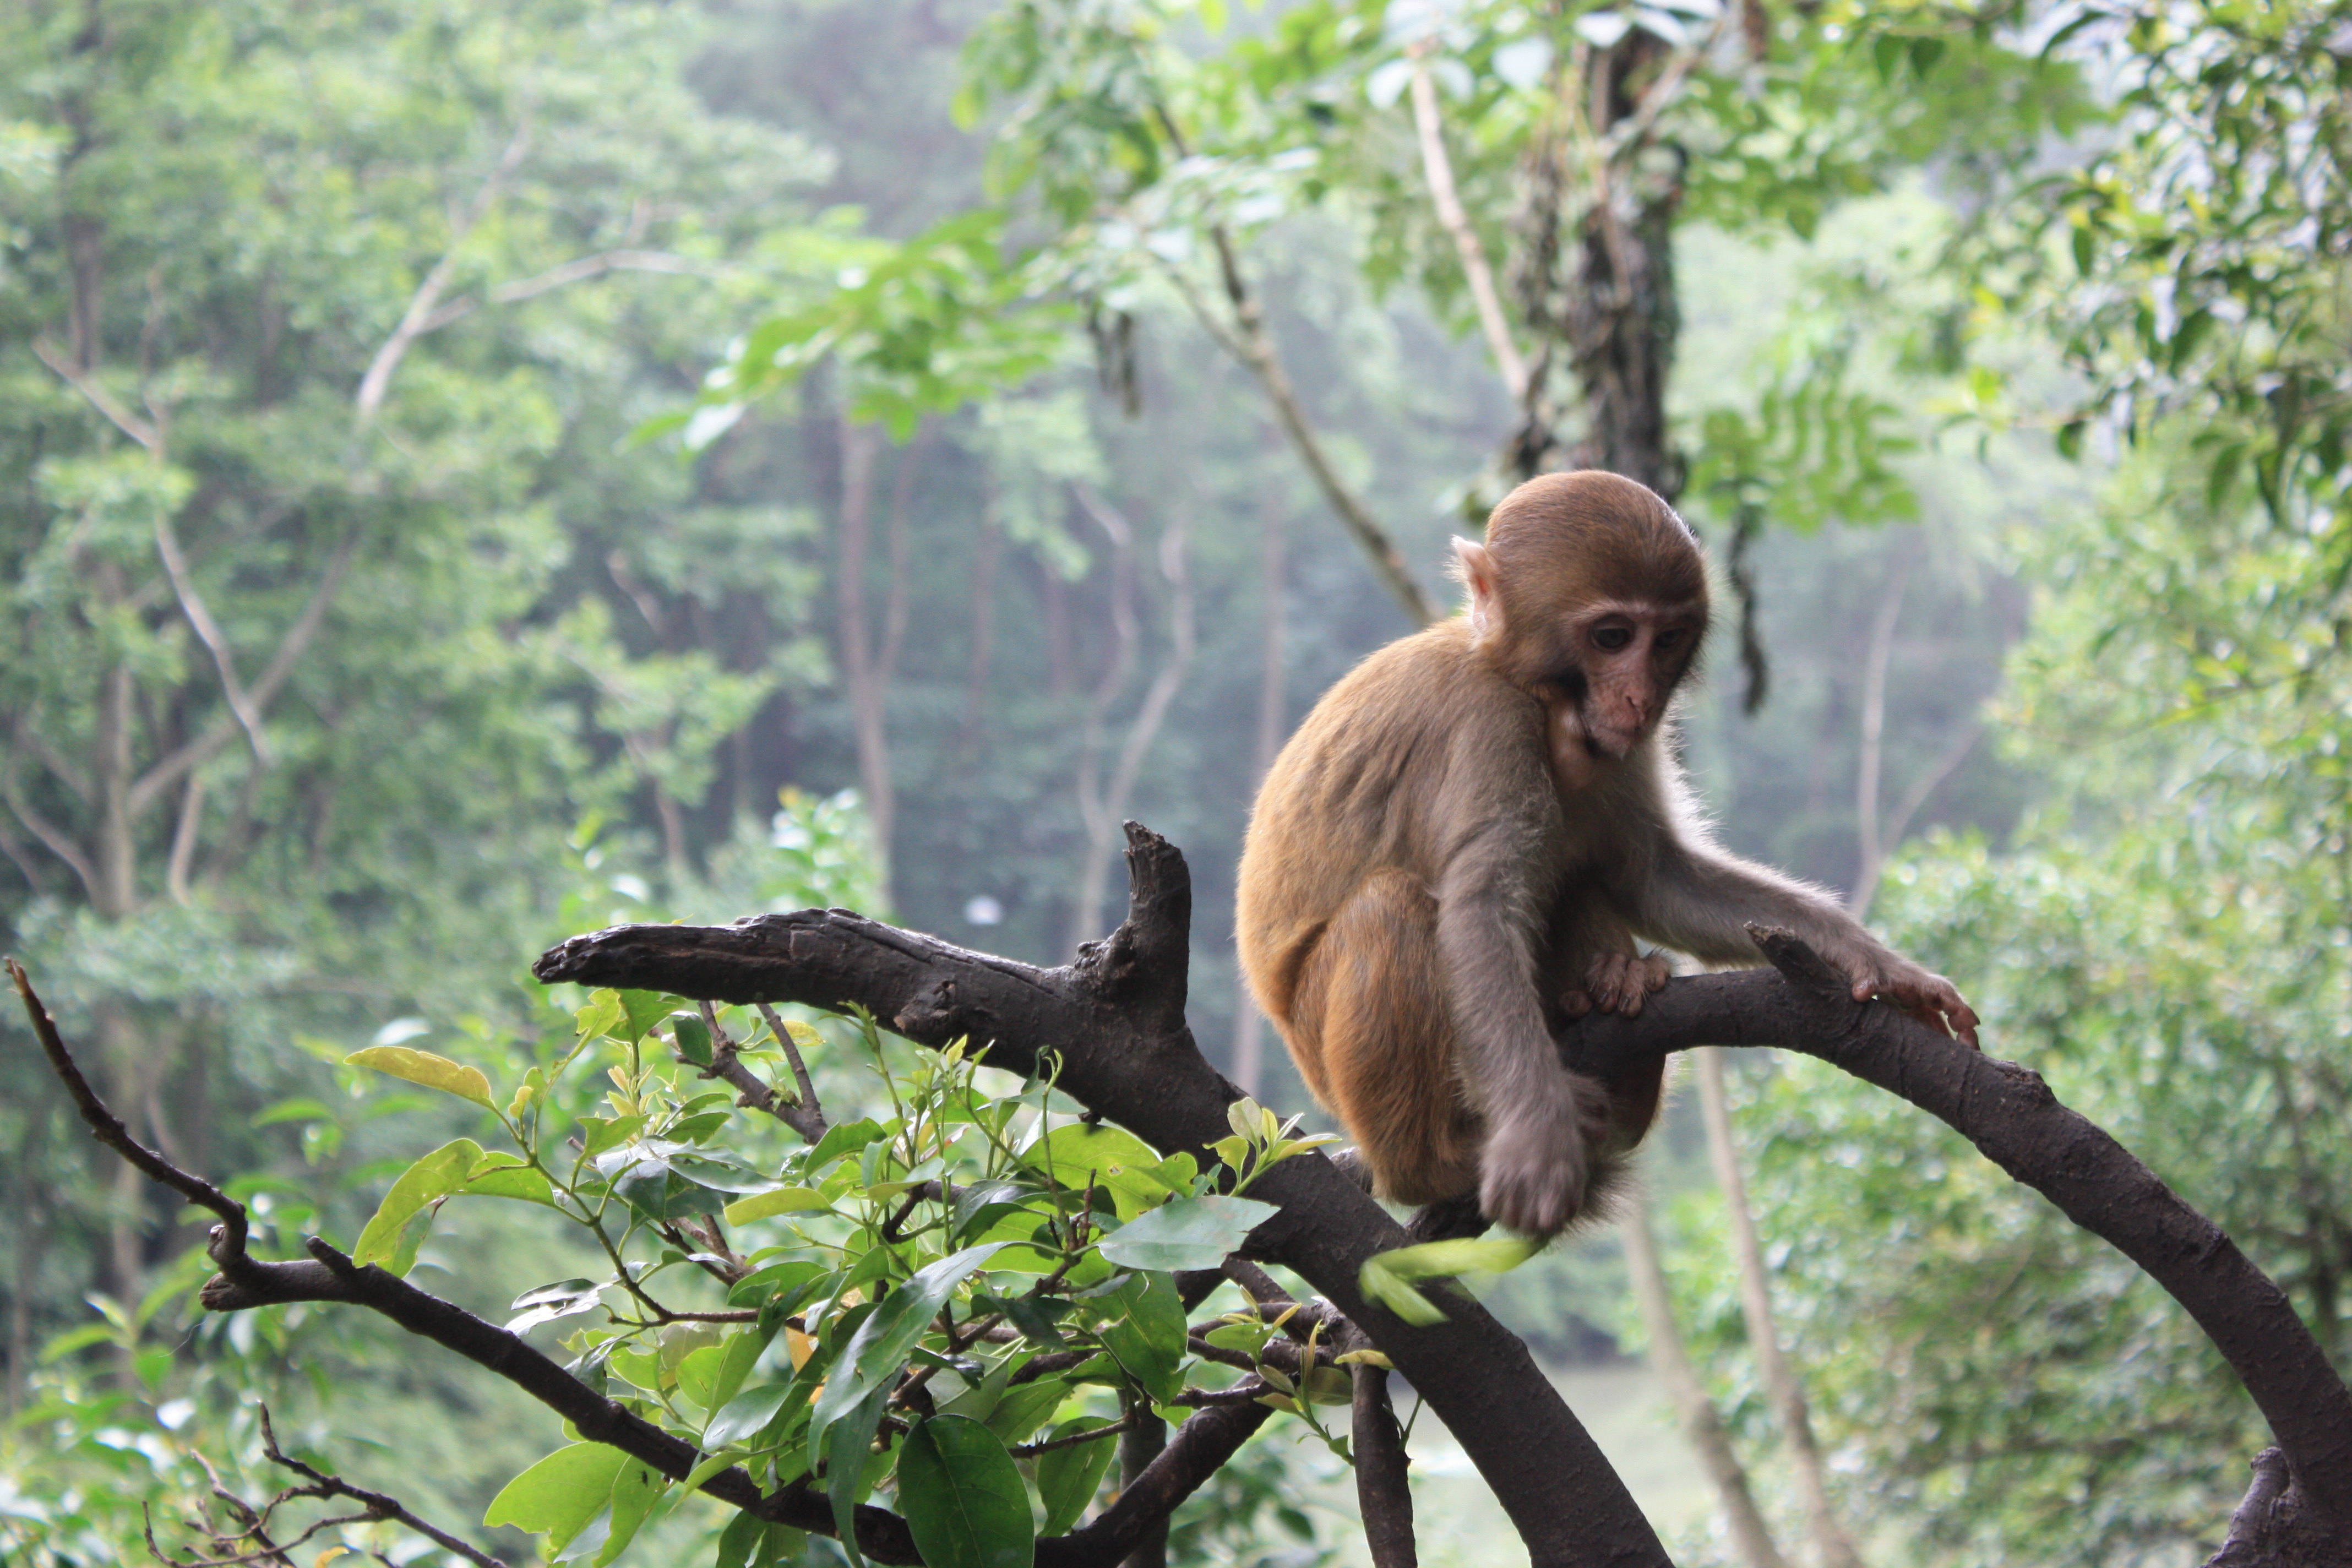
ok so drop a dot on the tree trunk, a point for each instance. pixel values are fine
(1751, 1537)
(860, 447)
(1249, 1024)
(1781, 1385)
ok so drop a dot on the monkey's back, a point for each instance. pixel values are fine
(1371, 782)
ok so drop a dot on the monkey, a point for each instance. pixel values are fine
(1457, 850)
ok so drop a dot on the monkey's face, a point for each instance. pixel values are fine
(1618, 663)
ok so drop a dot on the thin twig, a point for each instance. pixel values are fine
(800, 1068)
(378, 1504)
(1437, 168)
(108, 1129)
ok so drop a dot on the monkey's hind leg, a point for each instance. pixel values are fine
(1372, 997)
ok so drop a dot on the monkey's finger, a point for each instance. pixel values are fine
(1657, 975)
(1576, 1004)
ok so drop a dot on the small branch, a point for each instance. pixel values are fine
(809, 1103)
(1438, 169)
(208, 632)
(422, 304)
(579, 270)
(290, 648)
(148, 438)
(1383, 1494)
(108, 1129)
(378, 1505)
(55, 839)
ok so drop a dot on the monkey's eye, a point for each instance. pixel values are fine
(1611, 638)
(1671, 639)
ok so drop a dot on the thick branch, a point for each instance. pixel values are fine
(2014, 1119)
(1116, 1020)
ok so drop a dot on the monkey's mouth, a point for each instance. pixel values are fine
(1610, 743)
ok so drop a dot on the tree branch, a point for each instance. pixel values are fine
(1437, 168)
(2014, 1119)
(377, 381)
(1200, 1448)
(290, 648)
(208, 632)
(1115, 1021)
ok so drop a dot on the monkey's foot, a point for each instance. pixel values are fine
(1536, 1172)
(1617, 983)
(1927, 996)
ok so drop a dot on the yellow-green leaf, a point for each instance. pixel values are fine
(423, 1184)
(783, 1200)
(425, 1068)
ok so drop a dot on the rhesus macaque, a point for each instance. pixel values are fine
(1455, 852)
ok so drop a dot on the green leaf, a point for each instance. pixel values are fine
(1148, 1338)
(693, 1037)
(564, 1299)
(744, 1416)
(640, 1011)
(842, 1138)
(506, 1177)
(885, 1340)
(1067, 1479)
(603, 1134)
(1380, 1285)
(848, 1441)
(963, 1500)
(425, 1068)
(1445, 1259)
(1191, 1233)
(782, 1283)
(783, 1200)
(429, 1180)
(1025, 1408)
(603, 1012)
(560, 1494)
(1386, 1276)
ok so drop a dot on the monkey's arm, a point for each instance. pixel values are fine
(1698, 899)
(1542, 1121)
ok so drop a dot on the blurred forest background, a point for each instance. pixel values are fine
(476, 471)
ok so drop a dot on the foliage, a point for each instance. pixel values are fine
(962, 1300)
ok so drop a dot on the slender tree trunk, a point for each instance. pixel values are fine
(1782, 1386)
(1102, 806)
(1751, 1537)
(1868, 821)
(1249, 1024)
(983, 630)
(860, 447)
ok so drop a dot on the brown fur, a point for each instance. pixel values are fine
(1457, 850)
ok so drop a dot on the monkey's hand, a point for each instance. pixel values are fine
(1928, 998)
(1617, 983)
(1537, 1167)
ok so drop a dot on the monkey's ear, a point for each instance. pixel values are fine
(1474, 566)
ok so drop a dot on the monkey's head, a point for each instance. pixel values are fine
(1589, 592)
